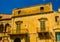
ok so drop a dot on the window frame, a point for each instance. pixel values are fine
(18, 26)
(1, 27)
(42, 25)
(43, 20)
(56, 18)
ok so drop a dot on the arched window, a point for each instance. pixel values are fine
(7, 27)
(1, 27)
(42, 23)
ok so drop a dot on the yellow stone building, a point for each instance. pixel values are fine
(38, 23)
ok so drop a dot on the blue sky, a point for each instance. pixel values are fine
(6, 6)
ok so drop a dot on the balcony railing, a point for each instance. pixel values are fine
(21, 31)
(46, 32)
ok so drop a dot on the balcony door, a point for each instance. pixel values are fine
(18, 26)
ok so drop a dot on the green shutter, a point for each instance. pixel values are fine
(58, 36)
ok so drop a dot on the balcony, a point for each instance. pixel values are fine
(39, 30)
(21, 31)
(45, 33)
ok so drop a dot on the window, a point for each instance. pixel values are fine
(42, 23)
(7, 27)
(0, 16)
(58, 36)
(1, 28)
(56, 18)
(41, 8)
(18, 26)
(0, 38)
(19, 12)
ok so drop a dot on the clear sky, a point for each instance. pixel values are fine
(6, 6)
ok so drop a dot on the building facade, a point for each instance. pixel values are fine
(38, 23)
